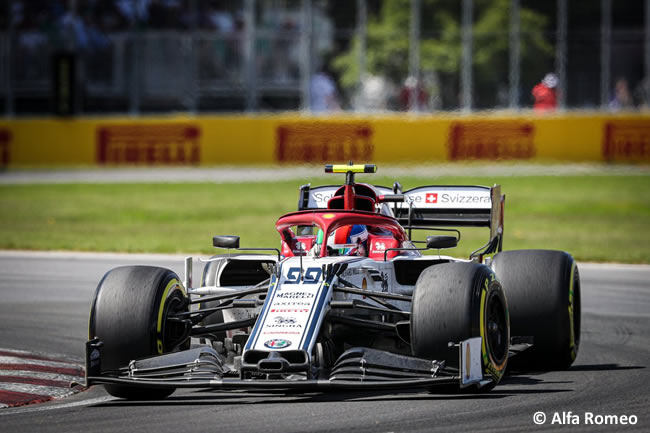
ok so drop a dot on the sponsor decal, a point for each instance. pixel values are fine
(277, 343)
(627, 140)
(319, 199)
(5, 140)
(328, 216)
(451, 199)
(289, 310)
(491, 139)
(291, 304)
(149, 144)
(323, 142)
(276, 332)
(295, 295)
(379, 246)
(280, 320)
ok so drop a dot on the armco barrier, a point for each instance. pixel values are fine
(295, 139)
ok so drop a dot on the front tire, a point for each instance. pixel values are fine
(129, 315)
(456, 301)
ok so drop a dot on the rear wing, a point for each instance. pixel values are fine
(432, 206)
(455, 206)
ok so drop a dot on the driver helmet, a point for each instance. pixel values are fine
(358, 235)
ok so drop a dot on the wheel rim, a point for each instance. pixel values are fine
(173, 330)
(496, 328)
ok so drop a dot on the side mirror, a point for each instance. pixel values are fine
(226, 241)
(391, 198)
(439, 242)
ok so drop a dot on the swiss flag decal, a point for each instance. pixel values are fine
(432, 197)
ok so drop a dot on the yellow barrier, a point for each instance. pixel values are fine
(294, 139)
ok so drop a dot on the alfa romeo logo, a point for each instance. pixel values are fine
(277, 343)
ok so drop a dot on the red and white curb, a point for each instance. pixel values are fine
(27, 378)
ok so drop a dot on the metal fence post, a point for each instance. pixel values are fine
(136, 69)
(250, 72)
(646, 42)
(560, 53)
(466, 61)
(9, 91)
(605, 51)
(515, 53)
(193, 97)
(305, 58)
(414, 55)
(362, 23)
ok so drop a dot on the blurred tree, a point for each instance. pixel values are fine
(440, 47)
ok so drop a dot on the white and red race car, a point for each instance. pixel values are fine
(332, 310)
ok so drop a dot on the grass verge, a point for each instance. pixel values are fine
(595, 218)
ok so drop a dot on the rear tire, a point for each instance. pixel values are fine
(129, 315)
(543, 289)
(456, 301)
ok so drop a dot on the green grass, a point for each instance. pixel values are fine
(595, 218)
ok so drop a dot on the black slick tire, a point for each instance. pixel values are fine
(543, 289)
(456, 301)
(128, 315)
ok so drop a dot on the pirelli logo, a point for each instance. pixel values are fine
(324, 142)
(149, 144)
(5, 139)
(626, 140)
(491, 139)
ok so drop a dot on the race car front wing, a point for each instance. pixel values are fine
(356, 369)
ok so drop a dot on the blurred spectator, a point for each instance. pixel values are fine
(544, 93)
(413, 95)
(641, 92)
(135, 11)
(376, 94)
(622, 99)
(221, 50)
(324, 96)
(218, 18)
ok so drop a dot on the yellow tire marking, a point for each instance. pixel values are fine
(572, 337)
(482, 321)
(173, 283)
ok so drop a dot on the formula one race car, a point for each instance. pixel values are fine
(350, 301)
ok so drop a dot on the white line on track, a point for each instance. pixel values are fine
(41, 375)
(57, 406)
(46, 391)
(26, 361)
